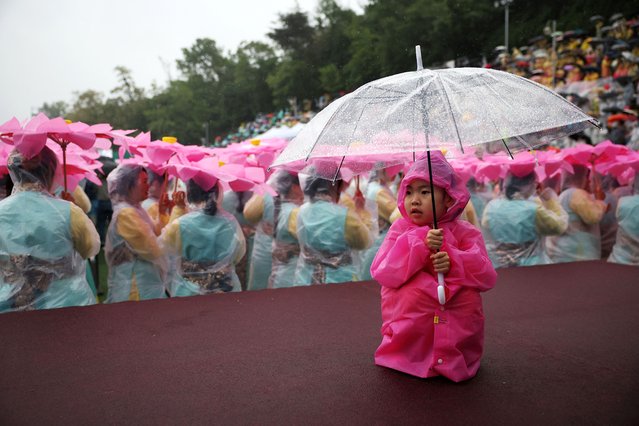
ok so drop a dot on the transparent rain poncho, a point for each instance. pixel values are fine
(582, 238)
(233, 203)
(515, 223)
(260, 262)
(328, 233)
(43, 241)
(626, 248)
(394, 119)
(207, 242)
(137, 266)
(285, 249)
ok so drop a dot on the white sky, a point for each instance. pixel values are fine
(52, 48)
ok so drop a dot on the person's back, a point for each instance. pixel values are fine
(43, 244)
(582, 238)
(626, 248)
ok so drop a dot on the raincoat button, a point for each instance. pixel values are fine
(439, 361)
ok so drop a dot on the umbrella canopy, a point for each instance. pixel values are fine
(394, 119)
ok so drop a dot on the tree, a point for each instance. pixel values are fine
(54, 109)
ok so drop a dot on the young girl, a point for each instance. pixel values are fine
(420, 336)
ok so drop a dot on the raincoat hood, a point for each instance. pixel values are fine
(444, 177)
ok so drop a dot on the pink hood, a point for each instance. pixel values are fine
(444, 176)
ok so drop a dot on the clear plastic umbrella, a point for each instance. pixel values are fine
(394, 119)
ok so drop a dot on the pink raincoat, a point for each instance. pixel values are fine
(420, 336)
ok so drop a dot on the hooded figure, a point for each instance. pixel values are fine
(259, 212)
(328, 233)
(379, 192)
(514, 224)
(207, 243)
(626, 248)
(137, 265)
(582, 238)
(420, 336)
(234, 203)
(43, 241)
(285, 249)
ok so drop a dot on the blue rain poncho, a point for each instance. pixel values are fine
(259, 211)
(206, 243)
(626, 248)
(43, 241)
(233, 203)
(514, 224)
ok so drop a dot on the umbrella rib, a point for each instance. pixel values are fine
(590, 119)
(323, 130)
(452, 116)
(519, 138)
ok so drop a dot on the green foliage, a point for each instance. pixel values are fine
(333, 50)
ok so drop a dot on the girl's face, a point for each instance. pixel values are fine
(140, 191)
(418, 203)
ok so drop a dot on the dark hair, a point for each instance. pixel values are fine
(123, 179)
(283, 181)
(315, 185)
(514, 185)
(195, 194)
(38, 169)
(154, 177)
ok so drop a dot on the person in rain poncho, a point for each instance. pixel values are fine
(582, 238)
(379, 191)
(259, 212)
(419, 336)
(208, 242)
(233, 203)
(626, 248)
(160, 209)
(43, 241)
(137, 265)
(515, 224)
(328, 233)
(608, 224)
(285, 248)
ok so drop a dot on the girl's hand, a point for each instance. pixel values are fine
(435, 239)
(441, 262)
(179, 199)
(165, 204)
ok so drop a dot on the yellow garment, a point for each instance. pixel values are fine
(292, 222)
(357, 229)
(81, 199)
(395, 215)
(86, 240)
(177, 212)
(159, 220)
(254, 209)
(469, 214)
(386, 205)
(131, 227)
(550, 218)
(591, 211)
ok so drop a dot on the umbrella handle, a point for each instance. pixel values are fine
(441, 288)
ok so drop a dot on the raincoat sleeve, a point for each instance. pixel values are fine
(386, 205)
(469, 215)
(254, 209)
(292, 222)
(171, 239)
(591, 211)
(131, 227)
(551, 218)
(86, 240)
(396, 214)
(357, 229)
(402, 254)
(81, 199)
(470, 265)
(177, 212)
(240, 249)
